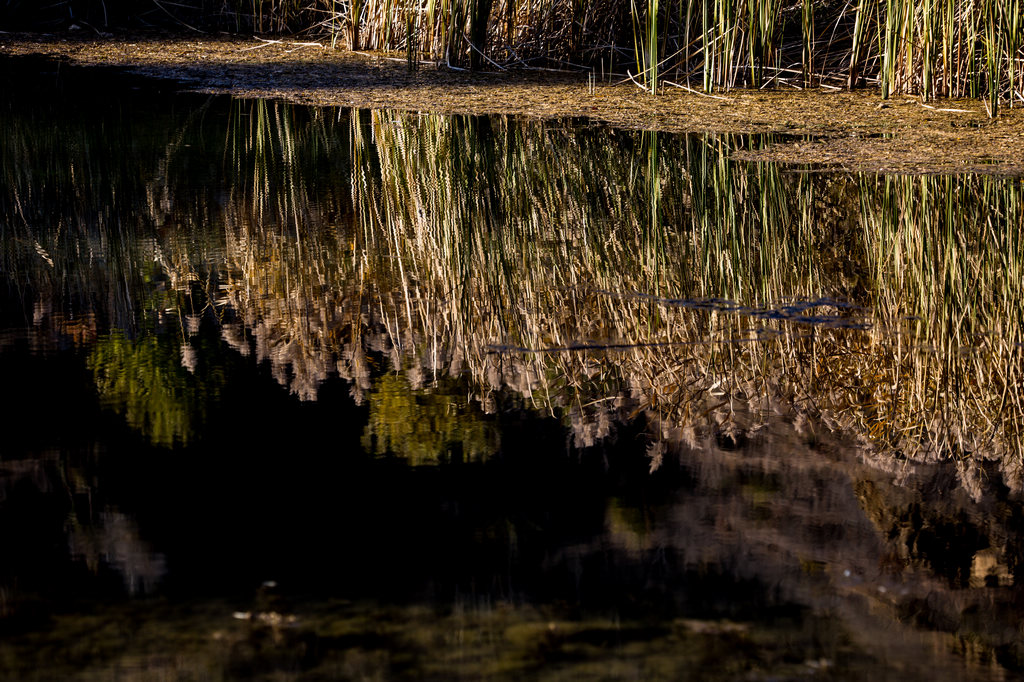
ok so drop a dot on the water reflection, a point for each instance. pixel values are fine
(594, 239)
(426, 426)
(682, 414)
(113, 543)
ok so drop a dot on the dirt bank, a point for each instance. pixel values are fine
(856, 131)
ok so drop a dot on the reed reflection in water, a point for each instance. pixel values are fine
(600, 275)
(591, 274)
(485, 286)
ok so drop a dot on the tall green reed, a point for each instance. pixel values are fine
(949, 48)
(931, 48)
(645, 41)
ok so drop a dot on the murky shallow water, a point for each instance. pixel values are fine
(331, 394)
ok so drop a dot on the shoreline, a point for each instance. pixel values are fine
(852, 131)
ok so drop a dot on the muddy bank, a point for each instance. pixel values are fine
(854, 131)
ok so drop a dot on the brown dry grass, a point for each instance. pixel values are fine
(855, 130)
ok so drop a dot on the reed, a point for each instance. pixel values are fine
(645, 41)
(931, 48)
(807, 30)
(926, 47)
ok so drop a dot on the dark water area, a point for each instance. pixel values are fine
(310, 394)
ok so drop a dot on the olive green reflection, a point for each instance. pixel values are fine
(426, 426)
(148, 381)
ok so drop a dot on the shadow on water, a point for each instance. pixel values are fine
(318, 393)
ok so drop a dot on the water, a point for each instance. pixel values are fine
(328, 394)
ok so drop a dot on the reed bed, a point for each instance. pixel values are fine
(929, 48)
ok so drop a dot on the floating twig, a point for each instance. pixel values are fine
(696, 92)
(955, 111)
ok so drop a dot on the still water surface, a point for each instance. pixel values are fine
(301, 393)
